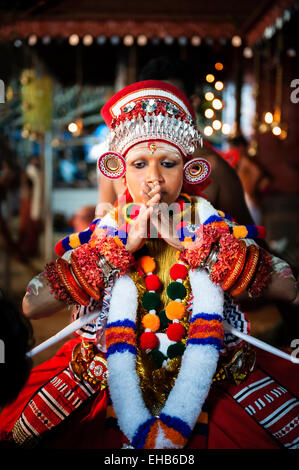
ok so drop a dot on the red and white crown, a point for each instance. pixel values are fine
(150, 110)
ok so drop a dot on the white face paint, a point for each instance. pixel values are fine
(35, 284)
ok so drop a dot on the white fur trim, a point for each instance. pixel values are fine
(208, 297)
(125, 393)
(124, 300)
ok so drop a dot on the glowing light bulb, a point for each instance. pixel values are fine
(208, 130)
(32, 40)
(268, 118)
(219, 86)
(219, 66)
(217, 104)
(225, 129)
(248, 52)
(73, 127)
(142, 40)
(276, 130)
(87, 40)
(209, 96)
(128, 40)
(210, 78)
(217, 124)
(196, 41)
(236, 41)
(209, 113)
(74, 40)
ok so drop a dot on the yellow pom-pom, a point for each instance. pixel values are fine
(240, 231)
(175, 310)
(148, 264)
(151, 321)
(221, 213)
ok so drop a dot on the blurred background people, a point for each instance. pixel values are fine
(31, 200)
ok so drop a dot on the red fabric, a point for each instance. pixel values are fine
(230, 426)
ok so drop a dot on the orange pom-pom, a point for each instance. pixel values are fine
(152, 322)
(175, 310)
(148, 264)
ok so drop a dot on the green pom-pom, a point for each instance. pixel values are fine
(150, 300)
(175, 350)
(176, 290)
(164, 321)
(158, 357)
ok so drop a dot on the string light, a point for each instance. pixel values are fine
(168, 40)
(74, 40)
(196, 41)
(248, 53)
(210, 78)
(32, 40)
(114, 40)
(263, 128)
(219, 66)
(46, 40)
(182, 40)
(276, 130)
(18, 43)
(209, 96)
(208, 130)
(128, 40)
(87, 40)
(101, 40)
(219, 86)
(209, 113)
(268, 118)
(217, 124)
(217, 104)
(225, 129)
(236, 41)
(73, 127)
(142, 40)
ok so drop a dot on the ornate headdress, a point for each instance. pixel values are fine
(147, 111)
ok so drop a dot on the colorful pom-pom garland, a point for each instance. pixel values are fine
(169, 319)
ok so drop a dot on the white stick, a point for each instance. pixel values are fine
(74, 326)
(259, 344)
(68, 330)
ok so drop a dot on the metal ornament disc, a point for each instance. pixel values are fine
(196, 171)
(112, 165)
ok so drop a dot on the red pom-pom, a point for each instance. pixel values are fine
(178, 271)
(149, 340)
(175, 332)
(152, 282)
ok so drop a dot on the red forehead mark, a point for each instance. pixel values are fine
(152, 148)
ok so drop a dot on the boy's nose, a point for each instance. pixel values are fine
(153, 174)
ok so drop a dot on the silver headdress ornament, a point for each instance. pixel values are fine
(167, 127)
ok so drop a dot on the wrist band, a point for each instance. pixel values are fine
(237, 268)
(93, 292)
(262, 274)
(55, 284)
(248, 272)
(70, 284)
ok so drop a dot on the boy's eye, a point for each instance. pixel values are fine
(168, 164)
(139, 164)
